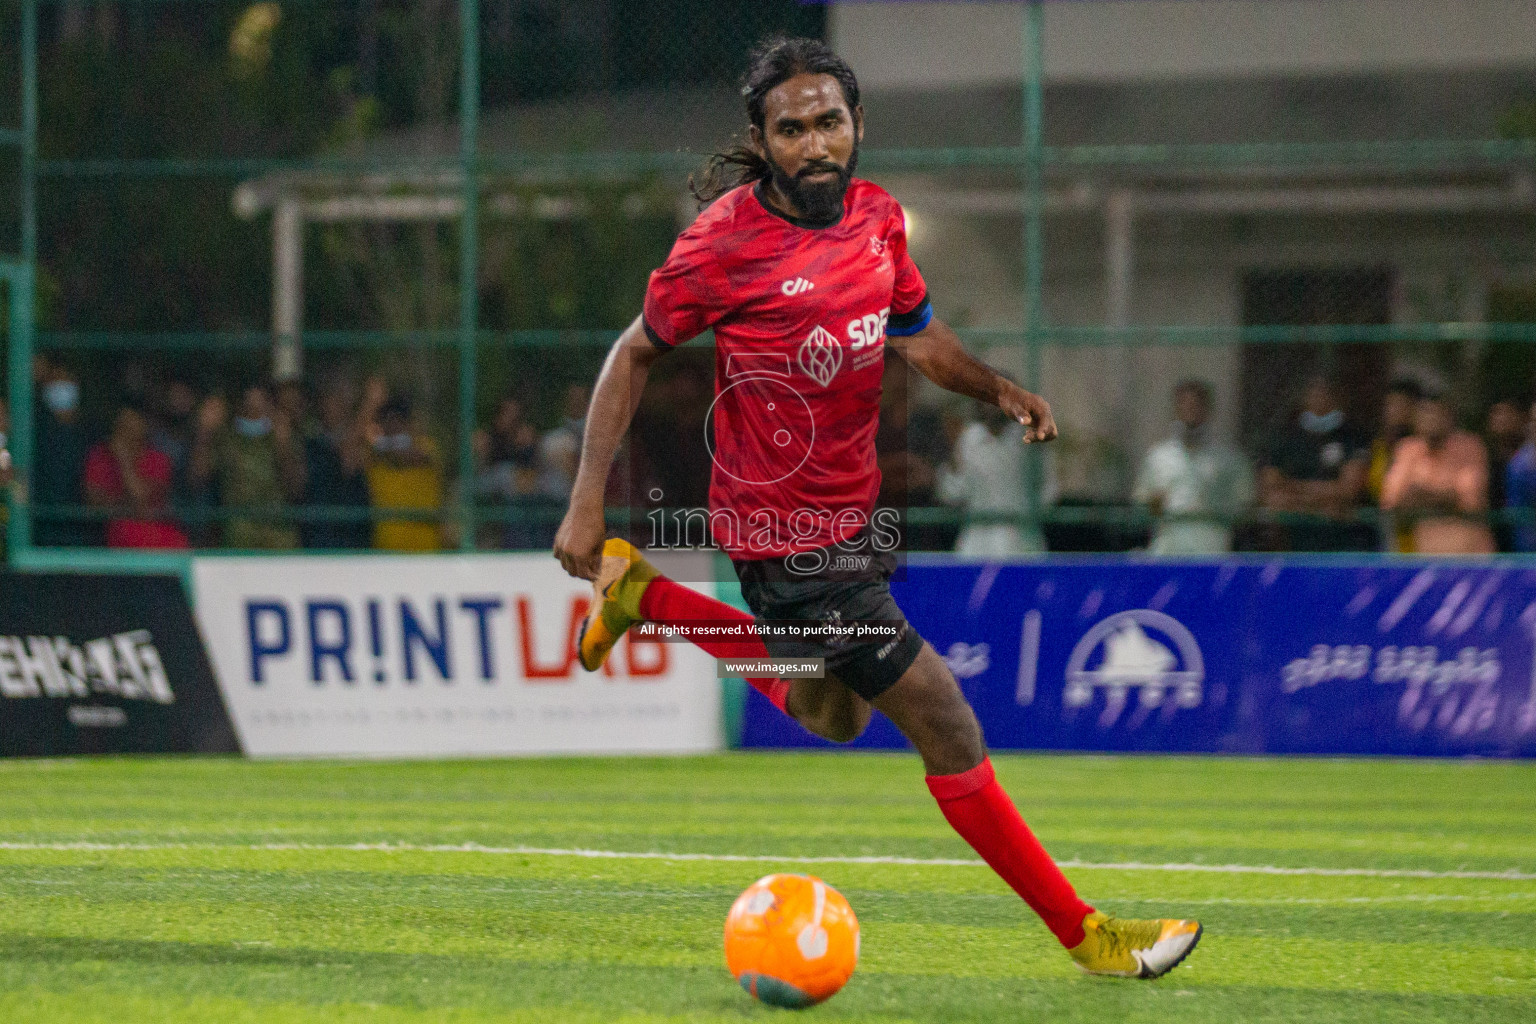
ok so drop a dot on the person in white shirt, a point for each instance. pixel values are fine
(1193, 475)
(987, 477)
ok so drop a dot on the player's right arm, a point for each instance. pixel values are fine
(579, 542)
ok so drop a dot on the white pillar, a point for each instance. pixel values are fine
(287, 288)
(1119, 257)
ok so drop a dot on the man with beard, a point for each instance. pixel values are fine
(802, 272)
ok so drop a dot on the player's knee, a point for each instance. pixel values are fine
(852, 719)
(842, 728)
(830, 714)
(951, 732)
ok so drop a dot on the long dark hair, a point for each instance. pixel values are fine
(774, 62)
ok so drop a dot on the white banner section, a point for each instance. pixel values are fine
(437, 656)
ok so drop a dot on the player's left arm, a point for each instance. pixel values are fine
(937, 353)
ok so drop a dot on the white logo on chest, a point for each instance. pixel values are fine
(797, 287)
(820, 356)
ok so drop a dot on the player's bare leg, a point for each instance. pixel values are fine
(628, 589)
(927, 705)
(828, 708)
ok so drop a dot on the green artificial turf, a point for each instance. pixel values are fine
(162, 890)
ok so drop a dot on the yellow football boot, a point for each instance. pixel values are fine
(1133, 949)
(616, 592)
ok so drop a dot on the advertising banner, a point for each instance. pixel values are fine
(1239, 657)
(104, 664)
(442, 656)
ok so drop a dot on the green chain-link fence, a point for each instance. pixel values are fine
(466, 197)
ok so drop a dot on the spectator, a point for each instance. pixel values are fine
(507, 468)
(1397, 410)
(292, 402)
(58, 457)
(987, 478)
(404, 470)
(171, 431)
(126, 474)
(5, 450)
(1520, 487)
(1439, 479)
(507, 453)
(334, 457)
(1504, 435)
(6, 472)
(672, 423)
(910, 443)
(560, 449)
(258, 464)
(1317, 465)
(910, 448)
(1194, 478)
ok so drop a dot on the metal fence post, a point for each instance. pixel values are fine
(1034, 208)
(18, 531)
(23, 294)
(469, 260)
(29, 134)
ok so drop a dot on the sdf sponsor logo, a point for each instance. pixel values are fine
(1142, 650)
(382, 642)
(868, 330)
(124, 665)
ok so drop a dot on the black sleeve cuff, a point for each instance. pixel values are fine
(656, 339)
(912, 321)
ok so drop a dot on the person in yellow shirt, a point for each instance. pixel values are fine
(405, 473)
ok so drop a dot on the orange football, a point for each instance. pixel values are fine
(791, 940)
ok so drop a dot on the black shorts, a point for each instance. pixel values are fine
(775, 593)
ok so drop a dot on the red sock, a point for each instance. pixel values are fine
(665, 601)
(977, 808)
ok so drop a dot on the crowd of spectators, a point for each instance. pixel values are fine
(1417, 484)
(270, 467)
(340, 466)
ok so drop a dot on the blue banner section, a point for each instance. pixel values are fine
(1235, 658)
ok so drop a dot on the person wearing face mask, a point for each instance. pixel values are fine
(58, 462)
(404, 470)
(1192, 481)
(257, 464)
(1316, 466)
(1439, 482)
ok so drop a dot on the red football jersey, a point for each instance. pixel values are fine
(800, 316)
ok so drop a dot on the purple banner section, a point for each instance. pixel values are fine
(1251, 658)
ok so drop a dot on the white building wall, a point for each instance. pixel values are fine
(944, 44)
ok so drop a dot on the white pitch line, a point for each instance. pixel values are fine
(749, 858)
